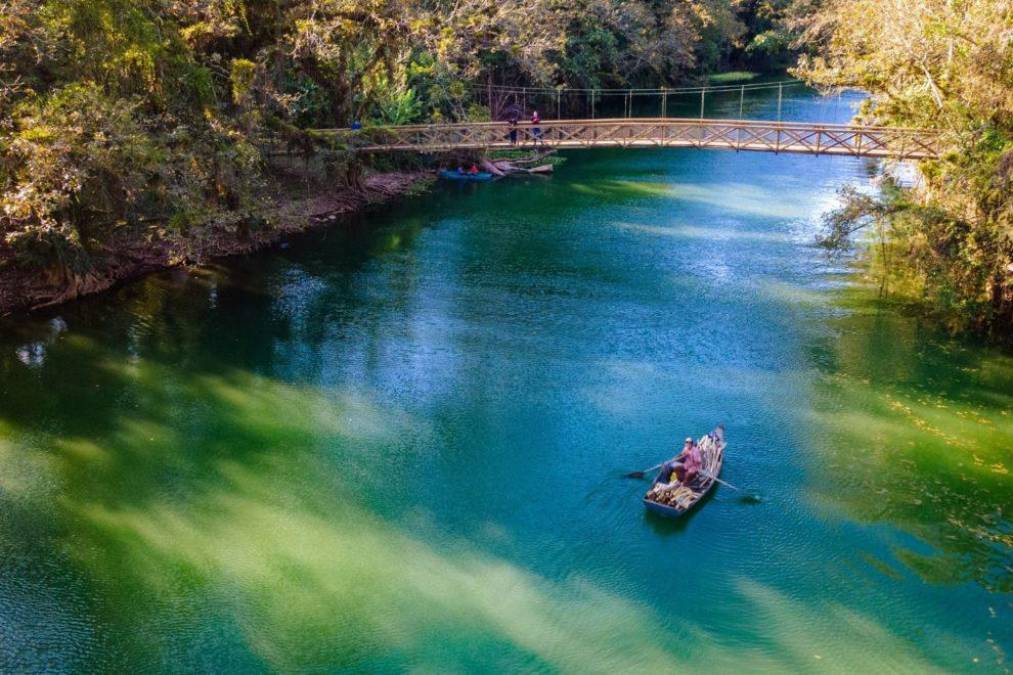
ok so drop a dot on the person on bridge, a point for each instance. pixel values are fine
(536, 131)
(513, 129)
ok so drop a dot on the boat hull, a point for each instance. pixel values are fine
(712, 464)
(480, 177)
(665, 511)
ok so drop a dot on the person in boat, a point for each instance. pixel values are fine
(473, 170)
(536, 131)
(461, 171)
(686, 466)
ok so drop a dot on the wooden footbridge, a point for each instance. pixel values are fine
(660, 132)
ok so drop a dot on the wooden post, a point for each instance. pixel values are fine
(559, 109)
(664, 102)
(524, 102)
(702, 94)
(629, 103)
(780, 90)
(593, 92)
(492, 113)
(742, 98)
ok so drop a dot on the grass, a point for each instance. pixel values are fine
(733, 76)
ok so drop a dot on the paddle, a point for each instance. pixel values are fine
(640, 474)
(748, 499)
(713, 477)
(753, 499)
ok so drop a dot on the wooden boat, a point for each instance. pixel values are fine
(479, 177)
(677, 500)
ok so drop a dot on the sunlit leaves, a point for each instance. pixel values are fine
(206, 81)
(945, 65)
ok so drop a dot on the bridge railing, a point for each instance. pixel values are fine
(769, 136)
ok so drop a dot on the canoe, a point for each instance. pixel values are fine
(480, 177)
(682, 498)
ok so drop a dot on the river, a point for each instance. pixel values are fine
(399, 443)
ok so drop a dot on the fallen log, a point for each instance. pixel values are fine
(492, 168)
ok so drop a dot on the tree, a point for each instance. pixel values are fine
(944, 64)
(128, 120)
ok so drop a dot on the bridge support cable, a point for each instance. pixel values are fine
(546, 96)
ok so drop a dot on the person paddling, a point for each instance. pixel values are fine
(686, 466)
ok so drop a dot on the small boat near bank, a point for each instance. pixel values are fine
(676, 500)
(480, 177)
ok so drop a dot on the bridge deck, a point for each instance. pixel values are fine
(797, 137)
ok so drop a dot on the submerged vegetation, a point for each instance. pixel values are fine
(915, 431)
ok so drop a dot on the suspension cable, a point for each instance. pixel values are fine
(508, 89)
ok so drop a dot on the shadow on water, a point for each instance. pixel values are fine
(666, 527)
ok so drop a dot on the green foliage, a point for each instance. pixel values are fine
(733, 77)
(398, 107)
(618, 43)
(76, 159)
(137, 118)
(947, 241)
(241, 76)
(771, 41)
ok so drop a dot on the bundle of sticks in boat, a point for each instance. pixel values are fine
(671, 494)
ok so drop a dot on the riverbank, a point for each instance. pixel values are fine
(135, 254)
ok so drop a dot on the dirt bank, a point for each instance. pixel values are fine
(131, 256)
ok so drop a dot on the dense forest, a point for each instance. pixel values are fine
(126, 121)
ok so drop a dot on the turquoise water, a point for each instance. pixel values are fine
(399, 444)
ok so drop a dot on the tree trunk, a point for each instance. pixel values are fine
(354, 175)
